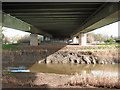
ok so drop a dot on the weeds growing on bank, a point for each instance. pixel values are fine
(104, 80)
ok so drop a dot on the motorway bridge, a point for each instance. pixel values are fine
(59, 20)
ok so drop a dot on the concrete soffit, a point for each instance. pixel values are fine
(107, 15)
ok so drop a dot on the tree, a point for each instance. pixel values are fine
(90, 37)
(1, 34)
(96, 37)
(6, 40)
(25, 39)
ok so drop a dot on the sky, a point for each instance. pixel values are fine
(111, 29)
(13, 32)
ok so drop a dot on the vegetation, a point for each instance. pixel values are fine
(12, 47)
(103, 80)
(99, 38)
(112, 44)
(110, 40)
(97, 81)
(25, 39)
(96, 37)
(1, 34)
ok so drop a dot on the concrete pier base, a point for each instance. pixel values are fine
(33, 40)
(82, 39)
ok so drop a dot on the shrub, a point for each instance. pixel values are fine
(110, 40)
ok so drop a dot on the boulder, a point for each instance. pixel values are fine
(86, 59)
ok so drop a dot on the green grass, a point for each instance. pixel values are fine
(113, 44)
(7, 73)
(90, 48)
(46, 41)
(12, 47)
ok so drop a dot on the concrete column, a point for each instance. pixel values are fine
(33, 40)
(75, 40)
(82, 39)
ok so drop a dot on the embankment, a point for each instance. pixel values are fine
(53, 53)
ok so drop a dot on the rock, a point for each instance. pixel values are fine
(55, 61)
(113, 63)
(50, 59)
(92, 59)
(65, 60)
(105, 62)
(86, 59)
(79, 55)
(70, 53)
(97, 59)
(75, 61)
(101, 62)
(71, 60)
(41, 61)
(79, 60)
(47, 61)
(83, 60)
(64, 55)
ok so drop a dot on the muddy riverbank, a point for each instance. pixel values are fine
(45, 62)
(46, 80)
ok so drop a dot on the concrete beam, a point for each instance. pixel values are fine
(12, 22)
(15, 23)
(105, 15)
(50, 9)
(33, 40)
(39, 31)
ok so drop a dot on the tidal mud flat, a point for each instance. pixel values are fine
(47, 80)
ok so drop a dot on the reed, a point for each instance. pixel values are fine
(106, 81)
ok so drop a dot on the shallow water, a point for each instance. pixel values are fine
(71, 69)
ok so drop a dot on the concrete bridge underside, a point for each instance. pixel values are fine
(59, 20)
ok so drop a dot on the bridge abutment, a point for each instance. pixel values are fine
(33, 40)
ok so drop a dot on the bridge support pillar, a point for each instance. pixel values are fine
(33, 40)
(82, 39)
(75, 40)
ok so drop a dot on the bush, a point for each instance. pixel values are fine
(110, 40)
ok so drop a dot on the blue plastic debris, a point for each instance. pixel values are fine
(20, 67)
(19, 70)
